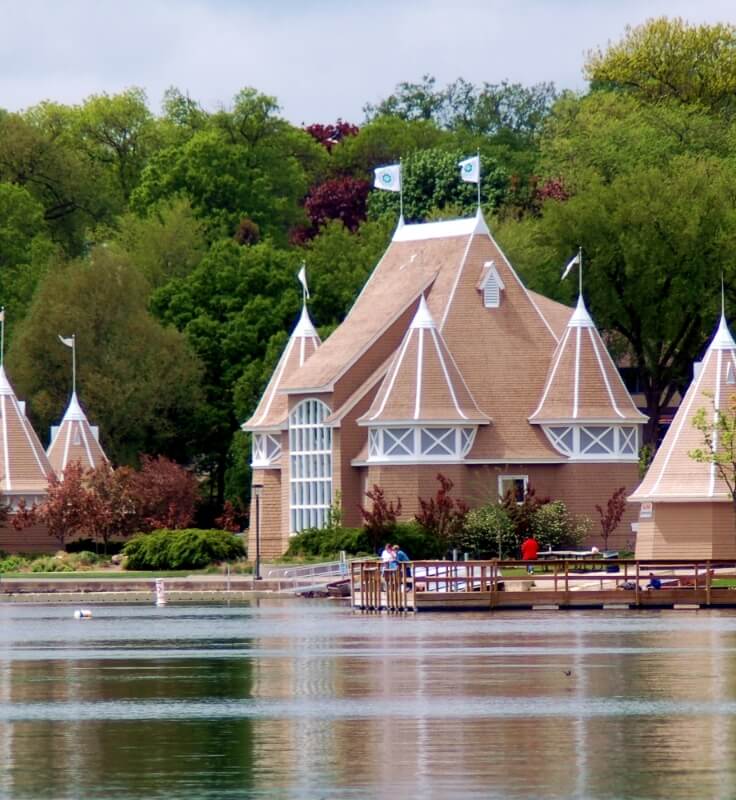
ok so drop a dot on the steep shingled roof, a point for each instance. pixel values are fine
(75, 441)
(24, 467)
(273, 408)
(583, 383)
(673, 475)
(423, 382)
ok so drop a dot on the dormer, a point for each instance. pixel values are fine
(490, 285)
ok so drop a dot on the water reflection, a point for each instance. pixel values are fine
(304, 699)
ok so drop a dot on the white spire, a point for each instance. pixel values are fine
(480, 222)
(305, 327)
(423, 318)
(580, 317)
(74, 410)
(723, 339)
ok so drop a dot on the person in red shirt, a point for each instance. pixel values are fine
(529, 550)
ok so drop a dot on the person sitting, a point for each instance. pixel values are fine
(529, 551)
(654, 582)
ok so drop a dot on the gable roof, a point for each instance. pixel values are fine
(273, 408)
(673, 475)
(24, 467)
(423, 382)
(583, 384)
(75, 441)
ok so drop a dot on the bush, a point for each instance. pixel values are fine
(416, 542)
(50, 564)
(555, 528)
(13, 563)
(483, 529)
(328, 542)
(181, 549)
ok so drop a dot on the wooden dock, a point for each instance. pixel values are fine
(554, 585)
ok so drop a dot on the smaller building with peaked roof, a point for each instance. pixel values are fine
(75, 441)
(445, 363)
(685, 508)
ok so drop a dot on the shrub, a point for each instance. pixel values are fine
(416, 542)
(487, 527)
(181, 549)
(328, 542)
(380, 519)
(442, 516)
(555, 528)
(13, 563)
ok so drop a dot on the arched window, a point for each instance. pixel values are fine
(310, 465)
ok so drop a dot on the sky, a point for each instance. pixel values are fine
(321, 59)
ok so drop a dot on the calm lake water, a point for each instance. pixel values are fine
(304, 699)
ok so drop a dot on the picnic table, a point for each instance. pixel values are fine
(575, 555)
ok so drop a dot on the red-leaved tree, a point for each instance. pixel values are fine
(113, 504)
(442, 515)
(380, 519)
(338, 198)
(611, 517)
(166, 494)
(330, 135)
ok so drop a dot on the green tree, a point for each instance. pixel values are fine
(717, 426)
(138, 380)
(229, 307)
(670, 58)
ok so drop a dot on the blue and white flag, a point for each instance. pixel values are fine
(470, 169)
(388, 178)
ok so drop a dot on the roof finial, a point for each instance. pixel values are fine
(723, 298)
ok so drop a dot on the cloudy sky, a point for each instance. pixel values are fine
(322, 59)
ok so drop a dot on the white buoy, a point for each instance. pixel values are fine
(82, 613)
(160, 592)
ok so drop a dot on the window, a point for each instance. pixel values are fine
(310, 461)
(491, 286)
(516, 484)
(420, 444)
(730, 378)
(266, 449)
(591, 442)
(77, 441)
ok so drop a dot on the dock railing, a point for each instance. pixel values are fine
(374, 586)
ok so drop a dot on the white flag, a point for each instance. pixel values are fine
(574, 260)
(470, 169)
(2, 314)
(68, 342)
(388, 178)
(303, 279)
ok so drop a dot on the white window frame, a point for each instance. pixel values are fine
(625, 441)
(502, 478)
(411, 443)
(310, 465)
(266, 450)
(491, 286)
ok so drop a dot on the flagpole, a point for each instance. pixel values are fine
(2, 336)
(74, 363)
(401, 191)
(580, 271)
(478, 179)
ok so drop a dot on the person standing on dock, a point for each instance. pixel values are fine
(529, 551)
(388, 558)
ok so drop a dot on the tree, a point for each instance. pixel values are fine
(380, 519)
(65, 510)
(611, 517)
(717, 426)
(522, 514)
(138, 380)
(442, 516)
(657, 237)
(228, 308)
(329, 135)
(670, 58)
(165, 494)
(112, 504)
(338, 198)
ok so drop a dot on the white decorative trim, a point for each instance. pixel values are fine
(447, 374)
(266, 450)
(604, 373)
(558, 357)
(418, 387)
(8, 483)
(440, 230)
(395, 368)
(716, 407)
(577, 374)
(419, 444)
(624, 440)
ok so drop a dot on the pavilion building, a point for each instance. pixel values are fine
(75, 441)
(445, 363)
(685, 508)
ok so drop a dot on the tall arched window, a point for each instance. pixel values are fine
(310, 473)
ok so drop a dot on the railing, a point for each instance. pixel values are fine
(374, 586)
(325, 569)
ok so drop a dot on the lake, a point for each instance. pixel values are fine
(305, 699)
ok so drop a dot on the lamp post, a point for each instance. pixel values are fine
(257, 488)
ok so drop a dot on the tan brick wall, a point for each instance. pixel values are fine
(35, 539)
(688, 530)
(271, 535)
